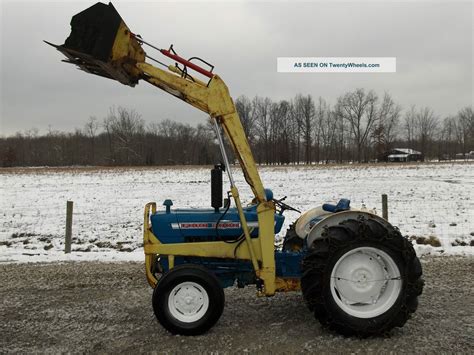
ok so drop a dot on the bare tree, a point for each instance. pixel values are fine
(90, 129)
(305, 113)
(107, 124)
(246, 114)
(426, 124)
(386, 128)
(389, 119)
(279, 132)
(340, 135)
(285, 135)
(447, 138)
(123, 125)
(359, 109)
(321, 110)
(262, 107)
(153, 128)
(295, 133)
(328, 127)
(168, 128)
(357, 128)
(203, 151)
(325, 130)
(465, 128)
(409, 125)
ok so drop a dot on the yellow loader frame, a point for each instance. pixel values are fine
(126, 64)
(215, 100)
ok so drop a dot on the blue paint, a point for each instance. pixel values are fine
(342, 205)
(194, 225)
(199, 225)
(232, 272)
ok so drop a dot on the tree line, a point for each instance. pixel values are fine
(359, 127)
(122, 138)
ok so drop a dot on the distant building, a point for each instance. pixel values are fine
(402, 155)
(465, 156)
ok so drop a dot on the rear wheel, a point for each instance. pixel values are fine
(188, 300)
(362, 278)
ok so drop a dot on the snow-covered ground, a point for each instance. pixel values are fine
(424, 200)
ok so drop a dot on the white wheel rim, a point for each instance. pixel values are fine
(188, 302)
(365, 282)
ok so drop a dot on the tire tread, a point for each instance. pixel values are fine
(317, 266)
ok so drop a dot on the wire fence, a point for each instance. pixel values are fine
(423, 201)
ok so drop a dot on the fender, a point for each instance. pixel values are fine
(333, 219)
(309, 219)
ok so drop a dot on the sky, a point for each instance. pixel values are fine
(432, 42)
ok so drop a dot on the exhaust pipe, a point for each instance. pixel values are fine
(216, 187)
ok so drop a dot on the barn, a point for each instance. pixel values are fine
(402, 155)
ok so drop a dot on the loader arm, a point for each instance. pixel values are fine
(100, 43)
(214, 99)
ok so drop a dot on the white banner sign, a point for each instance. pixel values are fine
(336, 65)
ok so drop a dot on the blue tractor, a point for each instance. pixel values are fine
(357, 273)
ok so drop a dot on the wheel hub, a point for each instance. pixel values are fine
(359, 278)
(365, 282)
(188, 302)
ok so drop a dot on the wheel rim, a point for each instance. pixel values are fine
(365, 282)
(188, 302)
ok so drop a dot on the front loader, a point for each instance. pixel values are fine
(357, 274)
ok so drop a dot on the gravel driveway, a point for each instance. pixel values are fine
(106, 307)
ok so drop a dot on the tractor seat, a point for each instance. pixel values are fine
(342, 205)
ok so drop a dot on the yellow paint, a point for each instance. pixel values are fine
(173, 69)
(287, 285)
(126, 52)
(205, 249)
(170, 261)
(245, 228)
(266, 237)
(215, 100)
(127, 61)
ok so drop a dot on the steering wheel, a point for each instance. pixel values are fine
(283, 206)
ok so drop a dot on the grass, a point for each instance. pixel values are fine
(431, 240)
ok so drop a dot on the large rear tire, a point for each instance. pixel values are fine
(362, 278)
(188, 300)
(292, 242)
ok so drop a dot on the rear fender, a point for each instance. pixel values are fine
(307, 220)
(333, 219)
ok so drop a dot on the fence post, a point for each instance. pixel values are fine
(67, 245)
(385, 207)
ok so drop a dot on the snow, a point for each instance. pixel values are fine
(407, 151)
(424, 200)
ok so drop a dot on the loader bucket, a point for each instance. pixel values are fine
(100, 43)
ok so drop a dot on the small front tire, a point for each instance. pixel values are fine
(188, 300)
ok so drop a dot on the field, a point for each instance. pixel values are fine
(425, 200)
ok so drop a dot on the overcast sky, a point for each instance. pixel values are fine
(432, 41)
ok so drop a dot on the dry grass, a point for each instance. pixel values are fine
(86, 169)
(79, 169)
(431, 240)
(462, 242)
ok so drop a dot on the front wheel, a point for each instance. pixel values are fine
(362, 278)
(188, 300)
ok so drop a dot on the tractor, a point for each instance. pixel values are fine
(357, 273)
